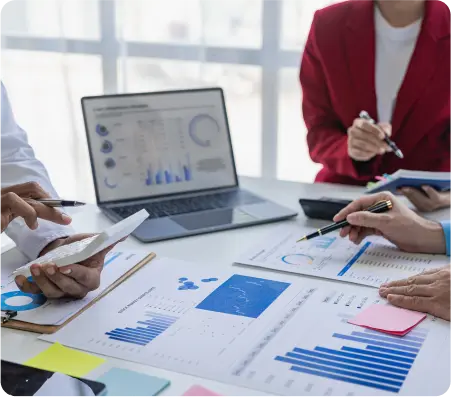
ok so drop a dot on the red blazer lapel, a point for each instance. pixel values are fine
(424, 60)
(360, 47)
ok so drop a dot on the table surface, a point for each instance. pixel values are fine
(224, 247)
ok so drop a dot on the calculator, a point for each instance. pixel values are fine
(79, 251)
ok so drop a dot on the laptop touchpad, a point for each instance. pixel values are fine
(210, 219)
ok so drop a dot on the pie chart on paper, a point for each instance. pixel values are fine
(297, 259)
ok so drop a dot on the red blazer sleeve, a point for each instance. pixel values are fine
(326, 136)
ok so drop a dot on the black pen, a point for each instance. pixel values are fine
(381, 206)
(388, 141)
(60, 203)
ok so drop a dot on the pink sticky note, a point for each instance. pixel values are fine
(389, 319)
(197, 390)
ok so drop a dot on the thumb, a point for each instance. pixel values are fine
(366, 219)
(386, 127)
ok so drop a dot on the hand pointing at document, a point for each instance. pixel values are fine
(428, 292)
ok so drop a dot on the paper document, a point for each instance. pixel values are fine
(373, 262)
(37, 309)
(273, 332)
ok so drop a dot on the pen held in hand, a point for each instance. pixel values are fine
(60, 203)
(379, 207)
(364, 115)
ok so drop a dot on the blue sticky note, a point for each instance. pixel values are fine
(123, 382)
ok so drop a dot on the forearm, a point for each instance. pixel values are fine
(19, 165)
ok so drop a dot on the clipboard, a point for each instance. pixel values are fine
(50, 329)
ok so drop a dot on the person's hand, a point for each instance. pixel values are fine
(74, 280)
(428, 292)
(366, 140)
(427, 199)
(30, 210)
(28, 190)
(400, 225)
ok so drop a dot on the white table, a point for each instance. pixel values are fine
(224, 247)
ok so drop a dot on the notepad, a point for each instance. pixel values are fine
(406, 178)
(388, 319)
(198, 390)
(123, 382)
(58, 358)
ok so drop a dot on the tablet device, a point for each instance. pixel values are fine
(21, 380)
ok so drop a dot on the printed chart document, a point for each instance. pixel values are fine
(37, 309)
(373, 262)
(277, 334)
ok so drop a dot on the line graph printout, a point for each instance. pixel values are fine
(373, 262)
(276, 333)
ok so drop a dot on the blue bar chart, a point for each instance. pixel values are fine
(166, 175)
(146, 331)
(323, 242)
(381, 362)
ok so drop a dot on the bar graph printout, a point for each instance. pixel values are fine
(270, 332)
(373, 262)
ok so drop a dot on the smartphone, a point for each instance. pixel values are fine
(323, 208)
(20, 380)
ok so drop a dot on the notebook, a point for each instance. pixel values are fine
(406, 178)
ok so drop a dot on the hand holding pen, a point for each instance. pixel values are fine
(364, 115)
(400, 225)
(376, 208)
(367, 140)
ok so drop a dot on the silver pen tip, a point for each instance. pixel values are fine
(399, 154)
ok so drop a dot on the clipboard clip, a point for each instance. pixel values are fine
(8, 315)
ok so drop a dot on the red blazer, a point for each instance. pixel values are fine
(338, 81)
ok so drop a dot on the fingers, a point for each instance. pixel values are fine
(361, 141)
(417, 303)
(65, 283)
(386, 127)
(14, 206)
(408, 290)
(418, 198)
(432, 193)
(420, 279)
(46, 286)
(371, 129)
(27, 190)
(369, 219)
(86, 277)
(362, 203)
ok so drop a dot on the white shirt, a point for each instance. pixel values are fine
(19, 165)
(394, 48)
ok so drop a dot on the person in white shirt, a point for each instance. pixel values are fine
(23, 177)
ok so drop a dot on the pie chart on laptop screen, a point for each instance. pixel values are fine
(203, 130)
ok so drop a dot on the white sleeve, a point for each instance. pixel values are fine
(19, 165)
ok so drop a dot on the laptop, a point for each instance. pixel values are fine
(171, 154)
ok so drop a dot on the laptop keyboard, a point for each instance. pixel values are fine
(180, 206)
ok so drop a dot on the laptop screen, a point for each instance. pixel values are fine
(156, 144)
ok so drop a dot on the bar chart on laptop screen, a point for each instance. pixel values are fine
(153, 145)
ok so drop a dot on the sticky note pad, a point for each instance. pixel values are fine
(388, 319)
(58, 358)
(197, 390)
(123, 382)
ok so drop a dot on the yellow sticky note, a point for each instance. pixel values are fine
(58, 358)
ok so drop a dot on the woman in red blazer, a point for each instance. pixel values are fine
(347, 67)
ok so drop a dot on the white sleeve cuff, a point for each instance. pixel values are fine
(32, 242)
